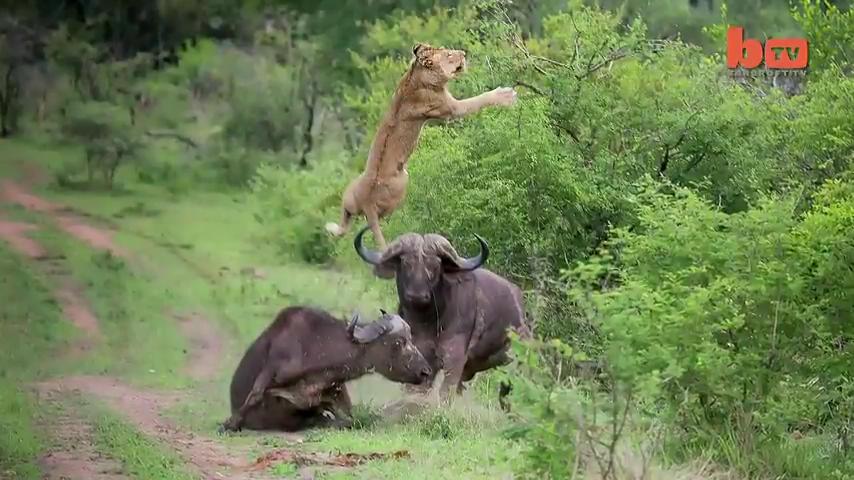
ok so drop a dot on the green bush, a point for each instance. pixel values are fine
(294, 204)
(266, 113)
(108, 138)
(727, 321)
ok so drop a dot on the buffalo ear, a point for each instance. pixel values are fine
(370, 332)
(387, 269)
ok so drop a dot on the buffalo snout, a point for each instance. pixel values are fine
(417, 366)
(426, 374)
(418, 299)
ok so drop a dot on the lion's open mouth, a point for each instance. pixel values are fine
(459, 68)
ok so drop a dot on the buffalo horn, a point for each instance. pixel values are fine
(371, 256)
(472, 263)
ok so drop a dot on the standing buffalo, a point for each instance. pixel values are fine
(459, 313)
(297, 368)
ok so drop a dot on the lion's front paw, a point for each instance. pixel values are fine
(504, 96)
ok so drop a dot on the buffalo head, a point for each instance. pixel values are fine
(417, 262)
(389, 348)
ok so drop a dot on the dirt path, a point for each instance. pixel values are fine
(143, 409)
(14, 233)
(207, 347)
(74, 306)
(74, 457)
(97, 238)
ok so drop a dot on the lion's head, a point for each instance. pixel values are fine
(441, 64)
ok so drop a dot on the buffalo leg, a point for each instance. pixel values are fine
(504, 389)
(302, 395)
(341, 407)
(453, 356)
(497, 359)
(262, 381)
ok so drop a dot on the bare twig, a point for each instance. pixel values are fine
(177, 136)
(614, 56)
(682, 136)
(534, 89)
(569, 131)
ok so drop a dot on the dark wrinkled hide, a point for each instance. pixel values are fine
(310, 355)
(459, 313)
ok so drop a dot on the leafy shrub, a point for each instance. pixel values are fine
(294, 204)
(164, 103)
(572, 427)
(199, 68)
(109, 141)
(264, 114)
(722, 320)
(830, 32)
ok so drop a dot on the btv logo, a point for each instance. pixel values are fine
(779, 53)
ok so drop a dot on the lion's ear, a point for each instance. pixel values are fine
(422, 54)
(418, 48)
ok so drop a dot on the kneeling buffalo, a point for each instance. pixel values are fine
(459, 312)
(297, 368)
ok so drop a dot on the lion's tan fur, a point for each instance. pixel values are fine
(421, 95)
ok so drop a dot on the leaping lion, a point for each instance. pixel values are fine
(421, 95)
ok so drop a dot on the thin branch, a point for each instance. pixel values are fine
(568, 131)
(614, 56)
(536, 90)
(682, 136)
(174, 135)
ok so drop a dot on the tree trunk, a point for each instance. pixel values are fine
(308, 138)
(6, 99)
(112, 172)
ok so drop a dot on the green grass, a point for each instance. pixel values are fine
(457, 443)
(30, 327)
(140, 456)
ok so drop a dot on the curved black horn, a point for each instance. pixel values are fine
(383, 312)
(472, 263)
(371, 256)
(353, 322)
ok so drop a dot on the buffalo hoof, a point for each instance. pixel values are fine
(331, 420)
(230, 425)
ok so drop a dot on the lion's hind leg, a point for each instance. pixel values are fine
(374, 222)
(340, 228)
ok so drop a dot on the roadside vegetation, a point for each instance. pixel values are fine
(684, 238)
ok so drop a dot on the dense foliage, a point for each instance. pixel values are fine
(692, 233)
